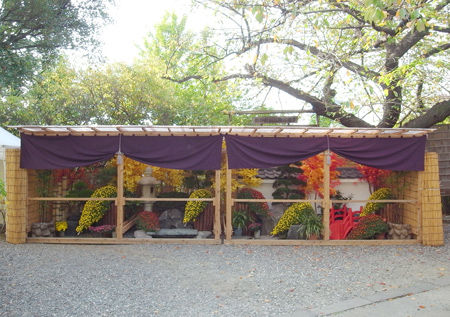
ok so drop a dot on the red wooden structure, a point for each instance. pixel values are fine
(342, 222)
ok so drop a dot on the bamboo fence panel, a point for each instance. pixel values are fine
(16, 216)
(32, 206)
(432, 230)
(411, 192)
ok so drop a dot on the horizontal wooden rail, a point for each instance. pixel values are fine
(374, 201)
(277, 200)
(168, 199)
(114, 198)
(70, 199)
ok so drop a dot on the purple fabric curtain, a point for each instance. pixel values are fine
(404, 154)
(178, 152)
(257, 152)
(53, 152)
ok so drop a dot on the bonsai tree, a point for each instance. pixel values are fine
(288, 183)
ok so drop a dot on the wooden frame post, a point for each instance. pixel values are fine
(326, 195)
(229, 205)
(216, 203)
(120, 201)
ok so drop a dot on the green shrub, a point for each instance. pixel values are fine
(160, 206)
(294, 215)
(380, 194)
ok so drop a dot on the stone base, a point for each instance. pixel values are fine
(175, 233)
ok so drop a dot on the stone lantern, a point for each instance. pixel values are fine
(148, 183)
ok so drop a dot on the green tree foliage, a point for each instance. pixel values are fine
(126, 94)
(200, 102)
(33, 32)
(112, 94)
(356, 62)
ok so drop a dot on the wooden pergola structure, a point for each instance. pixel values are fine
(422, 201)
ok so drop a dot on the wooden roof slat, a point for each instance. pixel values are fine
(256, 131)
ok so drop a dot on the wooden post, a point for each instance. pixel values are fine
(228, 204)
(419, 205)
(326, 195)
(120, 201)
(216, 203)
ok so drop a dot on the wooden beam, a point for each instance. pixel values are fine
(286, 242)
(167, 199)
(420, 187)
(217, 225)
(326, 195)
(69, 199)
(120, 201)
(244, 200)
(228, 204)
(120, 241)
(129, 223)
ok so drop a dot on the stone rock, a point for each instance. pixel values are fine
(294, 232)
(277, 211)
(204, 234)
(140, 234)
(43, 229)
(171, 219)
(399, 231)
(267, 226)
(175, 233)
(45, 233)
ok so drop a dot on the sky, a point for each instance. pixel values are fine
(134, 19)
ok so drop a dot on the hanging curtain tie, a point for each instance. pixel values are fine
(119, 153)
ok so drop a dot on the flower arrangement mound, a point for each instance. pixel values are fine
(102, 229)
(147, 221)
(94, 210)
(368, 227)
(257, 208)
(294, 215)
(195, 208)
(61, 226)
(380, 194)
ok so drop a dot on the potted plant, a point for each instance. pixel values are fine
(312, 227)
(255, 228)
(239, 221)
(369, 227)
(61, 227)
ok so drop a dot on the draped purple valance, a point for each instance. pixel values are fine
(53, 152)
(178, 152)
(258, 152)
(397, 154)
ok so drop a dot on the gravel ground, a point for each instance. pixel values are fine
(193, 280)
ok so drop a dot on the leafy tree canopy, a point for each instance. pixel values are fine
(356, 62)
(126, 94)
(33, 32)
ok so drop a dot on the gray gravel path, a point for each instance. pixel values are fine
(193, 280)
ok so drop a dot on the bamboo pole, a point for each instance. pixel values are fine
(326, 195)
(420, 189)
(120, 201)
(216, 203)
(228, 204)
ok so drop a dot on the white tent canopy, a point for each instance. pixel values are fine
(7, 140)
